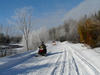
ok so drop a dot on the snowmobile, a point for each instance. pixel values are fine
(41, 52)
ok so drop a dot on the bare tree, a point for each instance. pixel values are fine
(23, 20)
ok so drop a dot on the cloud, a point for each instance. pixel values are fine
(88, 7)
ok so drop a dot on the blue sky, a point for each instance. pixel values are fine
(49, 10)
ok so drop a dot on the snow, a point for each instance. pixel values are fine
(62, 59)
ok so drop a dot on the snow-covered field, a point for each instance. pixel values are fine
(62, 59)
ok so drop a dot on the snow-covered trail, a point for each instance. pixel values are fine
(81, 65)
(62, 59)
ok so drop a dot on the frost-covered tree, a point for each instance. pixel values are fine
(71, 30)
(43, 34)
(60, 33)
(36, 36)
(52, 34)
(23, 21)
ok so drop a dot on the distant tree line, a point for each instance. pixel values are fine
(86, 30)
(6, 39)
(65, 32)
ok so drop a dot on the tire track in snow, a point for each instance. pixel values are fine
(93, 69)
(88, 66)
(56, 65)
(60, 64)
(72, 68)
(63, 63)
(76, 67)
(96, 71)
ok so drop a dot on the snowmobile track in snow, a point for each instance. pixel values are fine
(63, 63)
(60, 64)
(56, 65)
(72, 68)
(95, 71)
(88, 66)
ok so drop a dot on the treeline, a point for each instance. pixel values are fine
(65, 32)
(89, 30)
(6, 39)
(86, 30)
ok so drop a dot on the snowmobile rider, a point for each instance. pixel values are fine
(44, 49)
